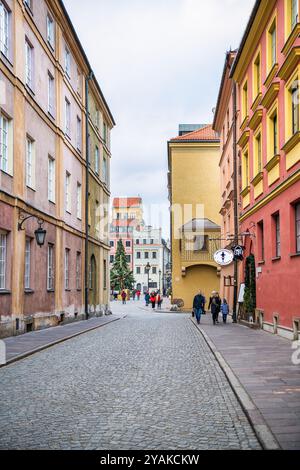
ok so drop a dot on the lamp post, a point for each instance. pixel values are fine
(147, 269)
(40, 233)
(159, 282)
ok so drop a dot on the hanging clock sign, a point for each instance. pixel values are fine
(238, 252)
(223, 257)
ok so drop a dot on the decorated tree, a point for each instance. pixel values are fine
(121, 277)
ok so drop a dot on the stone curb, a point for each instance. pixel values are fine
(260, 427)
(54, 343)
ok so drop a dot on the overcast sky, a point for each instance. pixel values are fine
(159, 63)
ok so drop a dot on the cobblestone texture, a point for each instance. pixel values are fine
(145, 382)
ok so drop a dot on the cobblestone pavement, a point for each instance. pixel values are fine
(148, 381)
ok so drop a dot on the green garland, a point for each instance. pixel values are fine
(250, 285)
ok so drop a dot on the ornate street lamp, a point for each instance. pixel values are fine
(40, 233)
(147, 269)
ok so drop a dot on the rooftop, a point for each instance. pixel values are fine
(196, 225)
(203, 134)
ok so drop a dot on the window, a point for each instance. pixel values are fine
(297, 220)
(67, 269)
(261, 241)
(257, 75)
(276, 219)
(245, 100)
(30, 180)
(79, 201)
(28, 64)
(138, 255)
(295, 106)
(3, 251)
(154, 255)
(104, 169)
(67, 192)
(275, 133)
(4, 128)
(79, 133)
(137, 241)
(144, 241)
(97, 218)
(128, 244)
(294, 13)
(97, 160)
(50, 31)
(4, 29)
(200, 243)
(112, 258)
(104, 132)
(154, 270)
(104, 274)
(28, 3)
(258, 162)
(138, 270)
(67, 62)
(128, 258)
(50, 268)
(272, 46)
(78, 271)
(146, 255)
(50, 94)
(98, 118)
(245, 169)
(51, 179)
(151, 241)
(27, 263)
(112, 243)
(67, 117)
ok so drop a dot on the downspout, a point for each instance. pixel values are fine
(86, 259)
(235, 203)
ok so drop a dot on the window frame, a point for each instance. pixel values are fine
(3, 260)
(50, 268)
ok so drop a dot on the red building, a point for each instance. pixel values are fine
(267, 72)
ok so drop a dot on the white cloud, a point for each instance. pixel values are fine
(159, 63)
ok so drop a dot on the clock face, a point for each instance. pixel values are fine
(223, 257)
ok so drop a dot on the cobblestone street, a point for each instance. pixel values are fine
(148, 381)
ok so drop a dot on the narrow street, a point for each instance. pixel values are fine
(148, 381)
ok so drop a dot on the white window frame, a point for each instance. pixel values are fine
(30, 166)
(50, 31)
(79, 201)
(78, 270)
(50, 268)
(68, 62)
(104, 169)
(4, 143)
(4, 29)
(51, 88)
(67, 117)
(27, 277)
(28, 64)
(3, 260)
(51, 179)
(97, 160)
(67, 269)
(79, 134)
(68, 192)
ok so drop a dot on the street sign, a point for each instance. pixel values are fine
(223, 257)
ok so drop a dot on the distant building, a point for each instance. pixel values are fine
(194, 179)
(149, 247)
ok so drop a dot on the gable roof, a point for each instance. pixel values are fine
(196, 225)
(204, 134)
(126, 202)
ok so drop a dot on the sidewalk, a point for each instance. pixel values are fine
(262, 363)
(18, 347)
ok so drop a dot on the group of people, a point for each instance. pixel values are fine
(153, 298)
(215, 305)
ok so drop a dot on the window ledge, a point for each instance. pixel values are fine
(245, 191)
(261, 262)
(29, 89)
(244, 139)
(244, 123)
(277, 258)
(5, 292)
(67, 290)
(292, 142)
(290, 63)
(257, 179)
(291, 39)
(272, 163)
(256, 102)
(271, 75)
(28, 291)
(256, 119)
(6, 173)
(294, 255)
(50, 290)
(6, 59)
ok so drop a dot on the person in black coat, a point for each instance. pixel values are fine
(198, 306)
(215, 305)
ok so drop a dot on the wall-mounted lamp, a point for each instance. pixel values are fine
(40, 233)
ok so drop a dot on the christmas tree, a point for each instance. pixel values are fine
(120, 276)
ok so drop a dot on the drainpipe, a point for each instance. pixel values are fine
(86, 259)
(235, 203)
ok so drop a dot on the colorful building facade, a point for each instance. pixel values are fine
(267, 73)
(224, 125)
(193, 182)
(43, 170)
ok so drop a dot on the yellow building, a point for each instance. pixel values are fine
(194, 195)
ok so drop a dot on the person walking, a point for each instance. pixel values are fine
(124, 297)
(198, 306)
(224, 310)
(153, 300)
(138, 294)
(133, 294)
(147, 299)
(215, 306)
(159, 301)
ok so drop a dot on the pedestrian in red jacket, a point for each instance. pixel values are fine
(153, 300)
